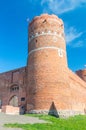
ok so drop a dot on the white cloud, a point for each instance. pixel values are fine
(58, 6)
(73, 37)
(72, 34)
(62, 6)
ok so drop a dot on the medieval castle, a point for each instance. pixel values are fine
(46, 84)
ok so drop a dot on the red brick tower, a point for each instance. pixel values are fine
(46, 64)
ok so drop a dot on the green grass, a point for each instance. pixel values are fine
(72, 123)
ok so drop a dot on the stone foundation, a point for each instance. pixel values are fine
(45, 84)
(60, 113)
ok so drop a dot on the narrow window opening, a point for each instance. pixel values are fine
(23, 99)
(44, 21)
(14, 88)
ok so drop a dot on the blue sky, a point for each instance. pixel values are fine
(15, 16)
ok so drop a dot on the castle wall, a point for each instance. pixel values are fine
(13, 83)
(82, 74)
(45, 85)
(52, 87)
(46, 64)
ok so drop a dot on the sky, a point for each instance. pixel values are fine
(15, 16)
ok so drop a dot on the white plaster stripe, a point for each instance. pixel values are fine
(43, 34)
(47, 47)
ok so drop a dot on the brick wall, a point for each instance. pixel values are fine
(82, 74)
(13, 83)
(10, 110)
(51, 85)
(46, 84)
(45, 65)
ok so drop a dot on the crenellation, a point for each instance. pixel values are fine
(45, 85)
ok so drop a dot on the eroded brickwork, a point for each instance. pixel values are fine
(45, 85)
(47, 61)
(51, 85)
(13, 83)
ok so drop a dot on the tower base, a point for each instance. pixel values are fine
(59, 113)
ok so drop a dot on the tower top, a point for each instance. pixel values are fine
(47, 16)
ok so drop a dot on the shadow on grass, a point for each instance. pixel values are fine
(53, 111)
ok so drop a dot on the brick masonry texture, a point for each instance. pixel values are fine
(8, 82)
(81, 74)
(46, 83)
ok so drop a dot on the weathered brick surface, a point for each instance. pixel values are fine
(10, 110)
(46, 82)
(8, 80)
(50, 82)
(82, 74)
(45, 67)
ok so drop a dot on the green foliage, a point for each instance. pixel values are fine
(53, 123)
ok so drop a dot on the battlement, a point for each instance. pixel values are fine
(46, 32)
(48, 17)
(46, 23)
(45, 85)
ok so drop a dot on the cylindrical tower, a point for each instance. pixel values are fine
(47, 62)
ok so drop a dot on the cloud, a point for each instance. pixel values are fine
(73, 37)
(57, 6)
(62, 6)
(72, 34)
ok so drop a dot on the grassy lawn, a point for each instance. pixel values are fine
(72, 123)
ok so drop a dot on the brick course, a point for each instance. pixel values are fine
(46, 83)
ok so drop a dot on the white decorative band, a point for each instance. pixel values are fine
(45, 33)
(47, 47)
